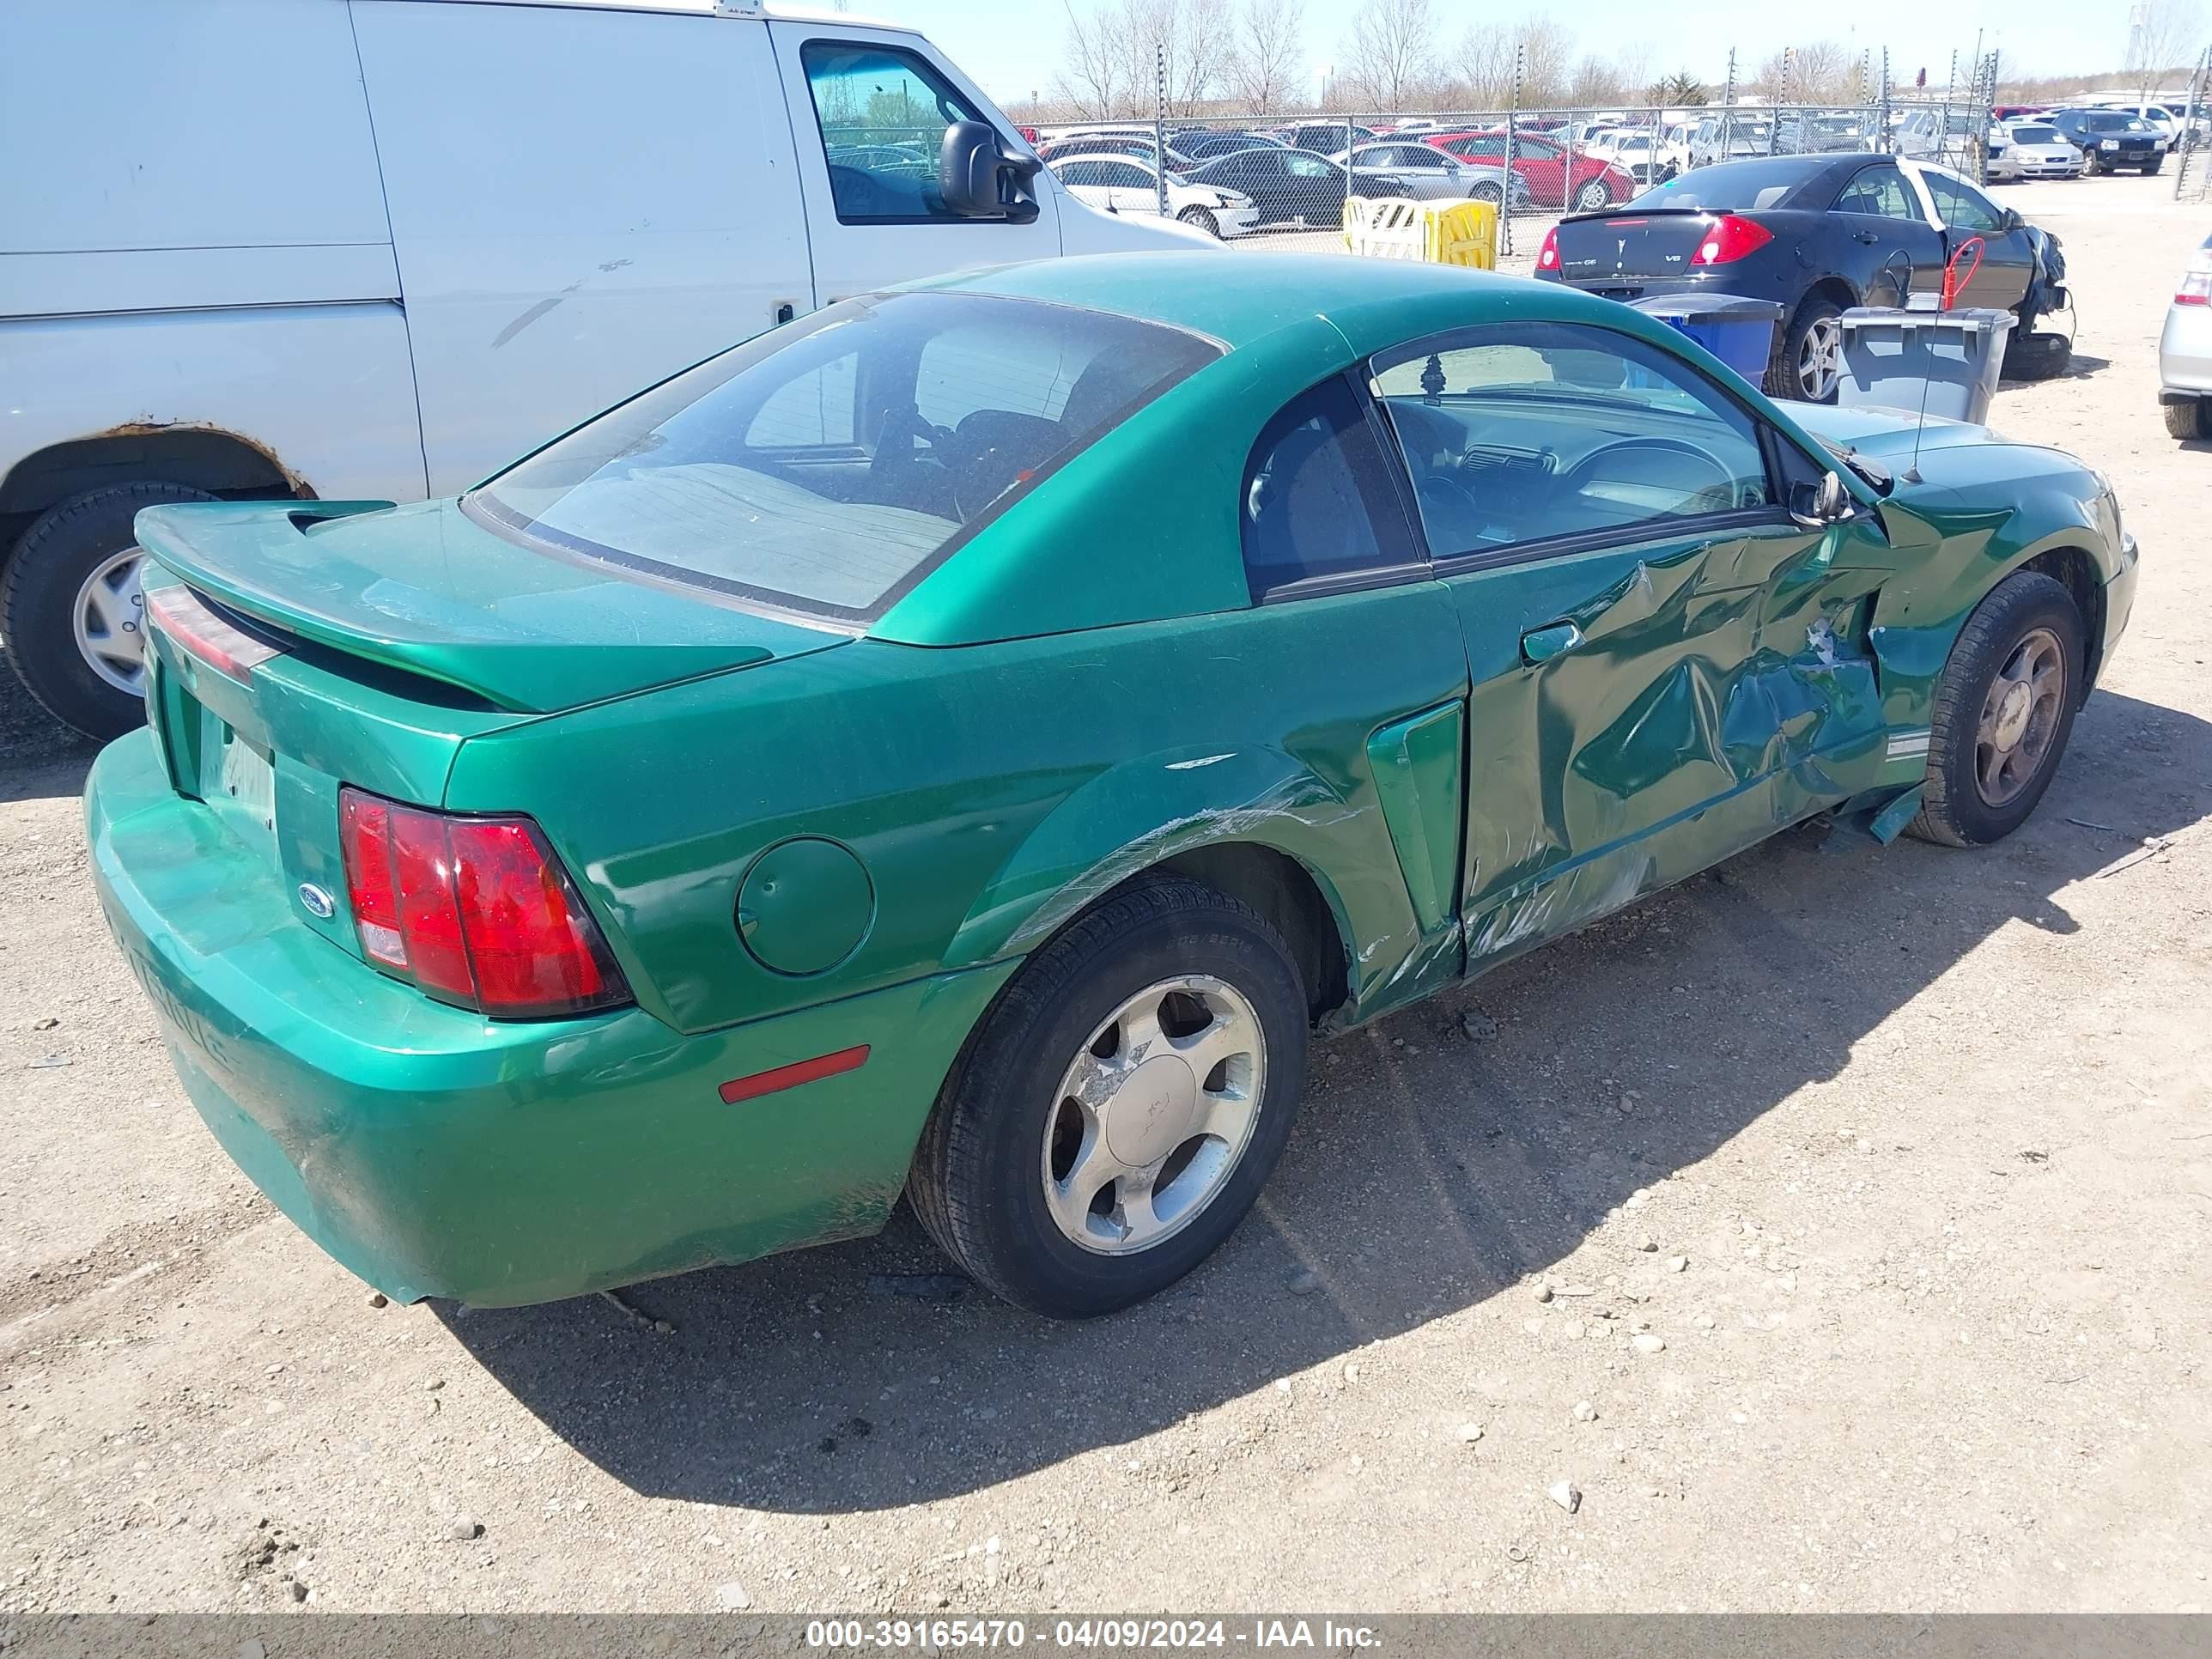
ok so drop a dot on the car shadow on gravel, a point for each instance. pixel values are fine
(1431, 1171)
(39, 757)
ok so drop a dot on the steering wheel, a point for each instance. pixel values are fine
(1579, 476)
(1445, 495)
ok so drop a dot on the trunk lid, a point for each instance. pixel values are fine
(425, 591)
(1610, 247)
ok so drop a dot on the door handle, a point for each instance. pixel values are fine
(1866, 236)
(1541, 645)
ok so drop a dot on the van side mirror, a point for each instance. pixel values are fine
(979, 180)
(1818, 505)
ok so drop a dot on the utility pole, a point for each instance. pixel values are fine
(1160, 125)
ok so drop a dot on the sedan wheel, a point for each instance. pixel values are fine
(1204, 221)
(1592, 195)
(1154, 1114)
(2003, 712)
(1118, 1109)
(1820, 358)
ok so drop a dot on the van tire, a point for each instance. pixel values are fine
(978, 1180)
(46, 581)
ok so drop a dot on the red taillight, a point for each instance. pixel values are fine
(1547, 257)
(2196, 282)
(475, 911)
(1728, 239)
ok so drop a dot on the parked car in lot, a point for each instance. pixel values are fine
(1429, 174)
(1119, 184)
(1819, 233)
(841, 770)
(2032, 150)
(1721, 137)
(1556, 174)
(368, 250)
(1133, 146)
(2110, 140)
(1206, 144)
(1324, 137)
(1293, 188)
(1637, 154)
(2185, 351)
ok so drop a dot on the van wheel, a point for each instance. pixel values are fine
(1121, 1104)
(71, 609)
(2002, 713)
(1202, 219)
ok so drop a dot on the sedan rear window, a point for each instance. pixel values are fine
(1730, 186)
(826, 466)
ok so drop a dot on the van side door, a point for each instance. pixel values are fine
(868, 108)
(583, 201)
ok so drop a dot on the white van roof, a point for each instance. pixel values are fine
(822, 13)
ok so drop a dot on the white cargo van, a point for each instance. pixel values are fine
(376, 248)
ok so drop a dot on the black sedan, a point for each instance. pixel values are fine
(1295, 187)
(1819, 233)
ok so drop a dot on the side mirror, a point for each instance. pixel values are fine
(979, 180)
(1818, 505)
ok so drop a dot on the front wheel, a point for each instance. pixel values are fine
(1592, 195)
(2091, 166)
(1120, 1106)
(71, 609)
(1204, 221)
(1489, 193)
(2002, 713)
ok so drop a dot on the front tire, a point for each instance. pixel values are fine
(2003, 711)
(2187, 419)
(1121, 1104)
(1592, 195)
(72, 611)
(1204, 219)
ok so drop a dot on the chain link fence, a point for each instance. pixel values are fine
(2192, 178)
(1263, 176)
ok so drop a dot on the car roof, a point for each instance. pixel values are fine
(1241, 298)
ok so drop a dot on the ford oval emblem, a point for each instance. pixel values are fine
(318, 903)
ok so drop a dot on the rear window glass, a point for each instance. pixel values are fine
(824, 466)
(1730, 186)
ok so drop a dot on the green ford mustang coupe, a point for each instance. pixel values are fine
(962, 743)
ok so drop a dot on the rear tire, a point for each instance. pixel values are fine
(1592, 195)
(1974, 793)
(987, 1180)
(1204, 221)
(1814, 332)
(2091, 166)
(2187, 420)
(70, 604)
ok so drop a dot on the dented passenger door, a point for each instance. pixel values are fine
(1608, 525)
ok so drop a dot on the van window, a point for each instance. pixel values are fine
(883, 114)
(824, 466)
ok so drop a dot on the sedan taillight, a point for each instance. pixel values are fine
(2197, 282)
(1730, 239)
(1547, 257)
(476, 911)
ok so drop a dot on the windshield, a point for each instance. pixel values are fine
(1730, 186)
(823, 466)
(2114, 122)
(2035, 135)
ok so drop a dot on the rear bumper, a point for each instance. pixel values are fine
(434, 1153)
(2184, 349)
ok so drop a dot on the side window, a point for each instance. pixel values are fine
(1081, 173)
(1304, 166)
(1880, 191)
(883, 114)
(1318, 497)
(1959, 205)
(1523, 433)
(1121, 176)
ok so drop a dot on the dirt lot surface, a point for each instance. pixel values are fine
(1918, 1140)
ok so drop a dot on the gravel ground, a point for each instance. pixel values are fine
(1900, 1160)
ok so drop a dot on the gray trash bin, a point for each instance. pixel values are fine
(1941, 362)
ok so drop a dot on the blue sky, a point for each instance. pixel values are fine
(1012, 46)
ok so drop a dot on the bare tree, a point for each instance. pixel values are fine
(1595, 82)
(1091, 77)
(1391, 55)
(2162, 35)
(1264, 70)
(1484, 61)
(1119, 52)
(1818, 72)
(1546, 50)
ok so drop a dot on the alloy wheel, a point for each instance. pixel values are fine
(1153, 1114)
(1820, 358)
(2020, 718)
(109, 621)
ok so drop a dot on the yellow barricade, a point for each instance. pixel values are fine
(1462, 233)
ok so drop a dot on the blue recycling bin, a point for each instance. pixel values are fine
(1737, 331)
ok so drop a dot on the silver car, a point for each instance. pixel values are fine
(1430, 175)
(2032, 150)
(2185, 351)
